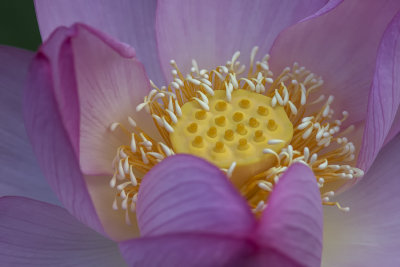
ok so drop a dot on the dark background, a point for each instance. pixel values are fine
(18, 25)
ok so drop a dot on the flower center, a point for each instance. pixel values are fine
(252, 126)
(237, 128)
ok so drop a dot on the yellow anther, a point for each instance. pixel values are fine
(241, 129)
(259, 136)
(229, 135)
(201, 115)
(253, 122)
(238, 116)
(219, 147)
(220, 121)
(263, 111)
(244, 103)
(220, 106)
(198, 142)
(271, 125)
(192, 128)
(242, 144)
(212, 132)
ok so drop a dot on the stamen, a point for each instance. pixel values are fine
(253, 126)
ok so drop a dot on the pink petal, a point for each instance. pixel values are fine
(184, 194)
(188, 250)
(95, 81)
(292, 221)
(98, 81)
(211, 31)
(19, 172)
(189, 214)
(369, 235)
(341, 46)
(131, 22)
(52, 146)
(384, 98)
(395, 128)
(35, 233)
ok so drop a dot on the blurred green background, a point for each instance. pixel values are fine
(18, 25)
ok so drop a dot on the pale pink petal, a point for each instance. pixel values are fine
(384, 97)
(35, 233)
(341, 46)
(184, 194)
(109, 88)
(368, 235)
(19, 173)
(211, 31)
(128, 21)
(112, 220)
(95, 81)
(292, 222)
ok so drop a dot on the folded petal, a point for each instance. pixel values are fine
(35, 233)
(52, 146)
(341, 46)
(131, 22)
(188, 250)
(185, 194)
(91, 81)
(211, 31)
(19, 172)
(369, 235)
(384, 98)
(291, 224)
(97, 81)
(395, 128)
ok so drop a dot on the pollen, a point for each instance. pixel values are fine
(250, 123)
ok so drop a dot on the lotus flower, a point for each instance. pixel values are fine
(85, 89)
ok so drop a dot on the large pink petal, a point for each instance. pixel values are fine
(384, 98)
(189, 250)
(94, 81)
(211, 31)
(184, 194)
(19, 172)
(341, 46)
(395, 128)
(129, 21)
(189, 214)
(292, 222)
(203, 250)
(369, 235)
(52, 146)
(35, 233)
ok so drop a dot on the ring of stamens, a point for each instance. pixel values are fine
(219, 122)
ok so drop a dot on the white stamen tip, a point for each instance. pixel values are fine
(114, 126)
(274, 141)
(231, 169)
(132, 122)
(115, 204)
